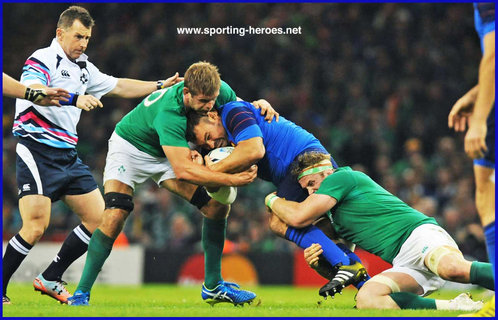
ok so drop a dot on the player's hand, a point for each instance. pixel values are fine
(266, 109)
(244, 177)
(47, 96)
(207, 161)
(170, 81)
(267, 198)
(475, 139)
(312, 253)
(196, 157)
(88, 102)
(460, 113)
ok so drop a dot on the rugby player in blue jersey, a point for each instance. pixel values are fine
(273, 147)
(477, 109)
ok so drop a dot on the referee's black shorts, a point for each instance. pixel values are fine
(52, 172)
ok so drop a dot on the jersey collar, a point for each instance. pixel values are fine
(58, 49)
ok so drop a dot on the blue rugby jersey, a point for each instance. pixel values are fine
(484, 19)
(283, 140)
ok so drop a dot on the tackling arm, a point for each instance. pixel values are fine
(245, 154)
(300, 214)
(185, 169)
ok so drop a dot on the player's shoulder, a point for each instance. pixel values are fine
(46, 54)
(234, 105)
(343, 174)
(169, 100)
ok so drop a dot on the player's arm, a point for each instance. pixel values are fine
(42, 96)
(185, 169)
(131, 88)
(475, 139)
(244, 155)
(300, 214)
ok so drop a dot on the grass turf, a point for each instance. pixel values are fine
(184, 301)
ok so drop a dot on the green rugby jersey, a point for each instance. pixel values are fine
(160, 119)
(369, 215)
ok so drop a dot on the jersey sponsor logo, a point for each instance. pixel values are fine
(121, 169)
(26, 187)
(65, 74)
(425, 249)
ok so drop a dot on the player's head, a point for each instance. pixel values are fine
(311, 169)
(206, 130)
(74, 30)
(201, 86)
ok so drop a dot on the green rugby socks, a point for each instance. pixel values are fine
(99, 249)
(481, 273)
(408, 300)
(213, 241)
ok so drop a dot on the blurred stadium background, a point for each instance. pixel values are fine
(374, 82)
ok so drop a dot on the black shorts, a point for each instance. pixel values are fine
(489, 157)
(51, 172)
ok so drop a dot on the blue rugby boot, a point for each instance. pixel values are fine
(79, 298)
(227, 292)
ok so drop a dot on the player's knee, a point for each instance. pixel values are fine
(215, 210)
(33, 232)
(448, 263)
(117, 200)
(200, 198)
(454, 269)
(366, 299)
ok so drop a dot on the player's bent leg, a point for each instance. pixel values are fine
(119, 203)
(375, 294)
(214, 289)
(485, 193)
(485, 202)
(448, 263)
(89, 207)
(35, 215)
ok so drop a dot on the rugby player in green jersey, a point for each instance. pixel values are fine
(149, 142)
(422, 253)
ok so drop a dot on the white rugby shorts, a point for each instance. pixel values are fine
(131, 166)
(410, 259)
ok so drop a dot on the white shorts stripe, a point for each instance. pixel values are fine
(18, 246)
(27, 157)
(83, 237)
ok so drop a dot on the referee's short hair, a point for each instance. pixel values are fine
(73, 13)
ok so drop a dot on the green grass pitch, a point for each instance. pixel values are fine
(185, 301)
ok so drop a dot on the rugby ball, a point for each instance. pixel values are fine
(220, 153)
